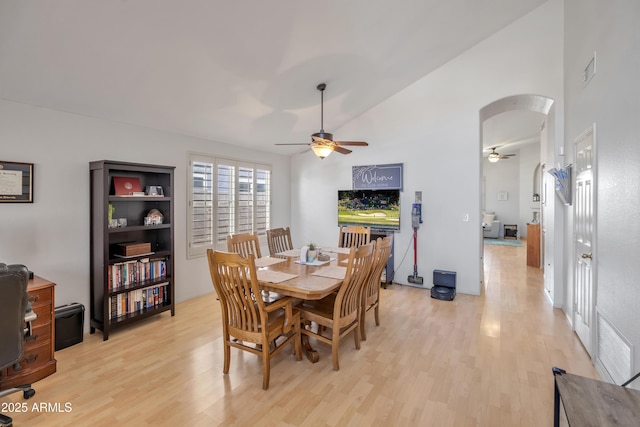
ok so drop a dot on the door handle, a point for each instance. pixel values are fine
(586, 256)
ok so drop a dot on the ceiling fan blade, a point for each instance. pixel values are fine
(296, 143)
(341, 150)
(358, 143)
(507, 155)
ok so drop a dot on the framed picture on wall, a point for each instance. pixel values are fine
(16, 182)
(377, 177)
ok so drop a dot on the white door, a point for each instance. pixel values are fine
(583, 232)
(548, 233)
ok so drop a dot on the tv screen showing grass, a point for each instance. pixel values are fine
(371, 208)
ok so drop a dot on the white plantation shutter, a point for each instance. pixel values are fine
(225, 203)
(226, 197)
(245, 200)
(201, 207)
(262, 210)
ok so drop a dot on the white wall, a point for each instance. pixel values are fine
(503, 176)
(529, 160)
(612, 101)
(51, 235)
(433, 128)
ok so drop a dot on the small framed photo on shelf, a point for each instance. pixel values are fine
(16, 182)
(154, 190)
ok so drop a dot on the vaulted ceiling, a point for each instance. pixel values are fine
(241, 72)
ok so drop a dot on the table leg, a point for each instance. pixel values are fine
(556, 405)
(556, 396)
(311, 353)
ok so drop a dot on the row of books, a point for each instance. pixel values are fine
(127, 273)
(138, 300)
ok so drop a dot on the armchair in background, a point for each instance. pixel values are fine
(490, 225)
(15, 313)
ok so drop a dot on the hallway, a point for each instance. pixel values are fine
(533, 336)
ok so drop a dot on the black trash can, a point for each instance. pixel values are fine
(69, 325)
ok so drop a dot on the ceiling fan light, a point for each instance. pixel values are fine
(493, 157)
(322, 151)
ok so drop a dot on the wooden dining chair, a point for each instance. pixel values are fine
(371, 290)
(340, 311)
(244, 244)
(353, 236)
(246, 319)
(279, 240)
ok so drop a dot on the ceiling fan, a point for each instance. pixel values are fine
(322, 142)
(494, 156)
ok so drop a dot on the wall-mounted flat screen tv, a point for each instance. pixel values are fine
(371, 208)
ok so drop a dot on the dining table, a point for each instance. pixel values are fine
(286, 274)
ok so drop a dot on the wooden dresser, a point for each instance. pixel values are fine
(38, 359)
(533, 245)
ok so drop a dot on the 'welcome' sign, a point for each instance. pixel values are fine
(375, 177)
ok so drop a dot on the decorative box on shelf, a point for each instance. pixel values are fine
(133, 248)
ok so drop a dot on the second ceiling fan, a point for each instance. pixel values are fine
(494, 156)
(322, 142)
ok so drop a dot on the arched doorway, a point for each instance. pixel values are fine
(508, 112)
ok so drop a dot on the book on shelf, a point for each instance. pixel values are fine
(138, 300)
(123, 274)
(126, 185)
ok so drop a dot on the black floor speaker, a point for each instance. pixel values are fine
(444, 285)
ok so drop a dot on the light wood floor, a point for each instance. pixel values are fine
(476, 361)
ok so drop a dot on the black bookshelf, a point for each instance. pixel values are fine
(125, 289)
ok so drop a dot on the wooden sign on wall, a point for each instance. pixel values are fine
(376, 177)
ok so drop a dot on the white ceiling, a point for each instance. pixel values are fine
(511, 130)
(240, 72)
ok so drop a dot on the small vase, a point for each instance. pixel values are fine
(312, 255)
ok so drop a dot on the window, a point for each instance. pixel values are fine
(226, 197)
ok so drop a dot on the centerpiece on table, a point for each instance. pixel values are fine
(312, 253)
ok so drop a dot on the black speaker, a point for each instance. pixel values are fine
(444, 285)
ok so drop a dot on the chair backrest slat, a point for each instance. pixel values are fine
(244, 244)
(353, 236)
(349, 299)
(380, 258)
(279, 240)
(234, 279)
